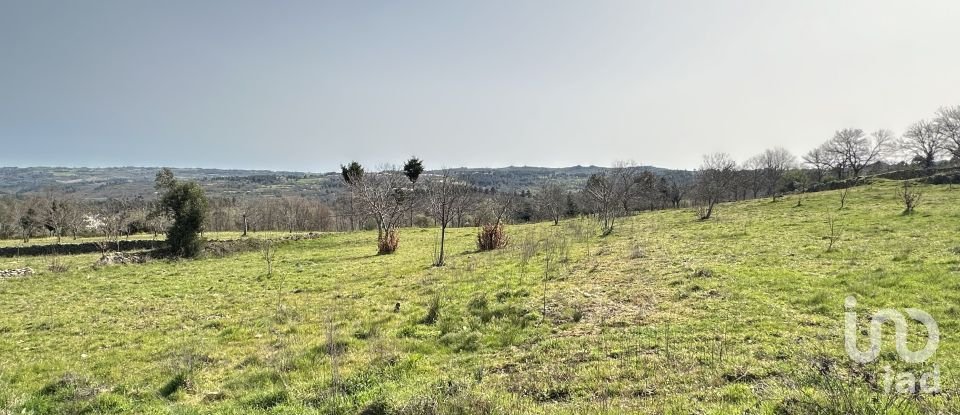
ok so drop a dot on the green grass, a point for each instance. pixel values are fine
(666, 315)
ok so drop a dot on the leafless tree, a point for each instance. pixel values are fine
(492, 234)
(674, 190)
(7, 208)
(821, 160)
(857, 150)
(602, 191)
(114, 217)
(753, 175)
(267, 251)
(835, 233)
(626, 183)
(157, 221)
(713, 183)
(773, 164)
(925, 141)
(60, 215)
(844, 193)
(346, 206)
(645, 190)
(385, 197)
(503, 202)
(910, 196)
(552, 201)
(444, 195)
(948, 123)
(614, 193)
(465, 206)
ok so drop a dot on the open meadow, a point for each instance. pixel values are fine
(742, 313)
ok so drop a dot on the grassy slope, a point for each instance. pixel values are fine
(668, 314)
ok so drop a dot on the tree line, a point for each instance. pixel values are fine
(394, 197)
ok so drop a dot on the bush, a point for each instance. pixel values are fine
(433, 311)
(388, 243)
(491, 236)
(57, 265)
(187, 205)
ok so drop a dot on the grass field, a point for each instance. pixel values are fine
(741, 313)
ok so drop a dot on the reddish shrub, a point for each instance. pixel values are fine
(491, 236)
(388, 243)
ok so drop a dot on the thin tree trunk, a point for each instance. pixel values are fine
(443, 235)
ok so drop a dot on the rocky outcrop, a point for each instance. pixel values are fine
(15, 273)
(113, 258)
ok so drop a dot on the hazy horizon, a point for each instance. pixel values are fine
(372, 167)
(307, 86)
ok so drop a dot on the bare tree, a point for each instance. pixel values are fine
(948, 123)
(626, 183)
(492, 234)
(799, 182)
(444, 195)
(552, 201)
(835, 233)
(385, 197)
(925, 141)
(60, 214)
(114, 217)
(76, 217)
(820, 160)
(844, 193)
(714, 180)
(465, 206)
(753, 176)
(857, 150)
(615, 192)
(910, 196)
(674, 190)
(267, 252)
(774, 163)
(602, 191)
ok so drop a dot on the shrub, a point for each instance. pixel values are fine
(57, 265)
(491, 236)
(187, 205)
(433, 311)
(909, 196)
(388, 243)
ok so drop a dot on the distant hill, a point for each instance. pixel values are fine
(107, 182)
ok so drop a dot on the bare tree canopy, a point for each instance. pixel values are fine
(855, 150)
(948, 124)
(611, 193)
(924, 141)
(552, 201)
(445, 196)
(384, 196)
(714, 181)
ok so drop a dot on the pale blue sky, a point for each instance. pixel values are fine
(309, 85)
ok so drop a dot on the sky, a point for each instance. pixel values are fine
(307, 86)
